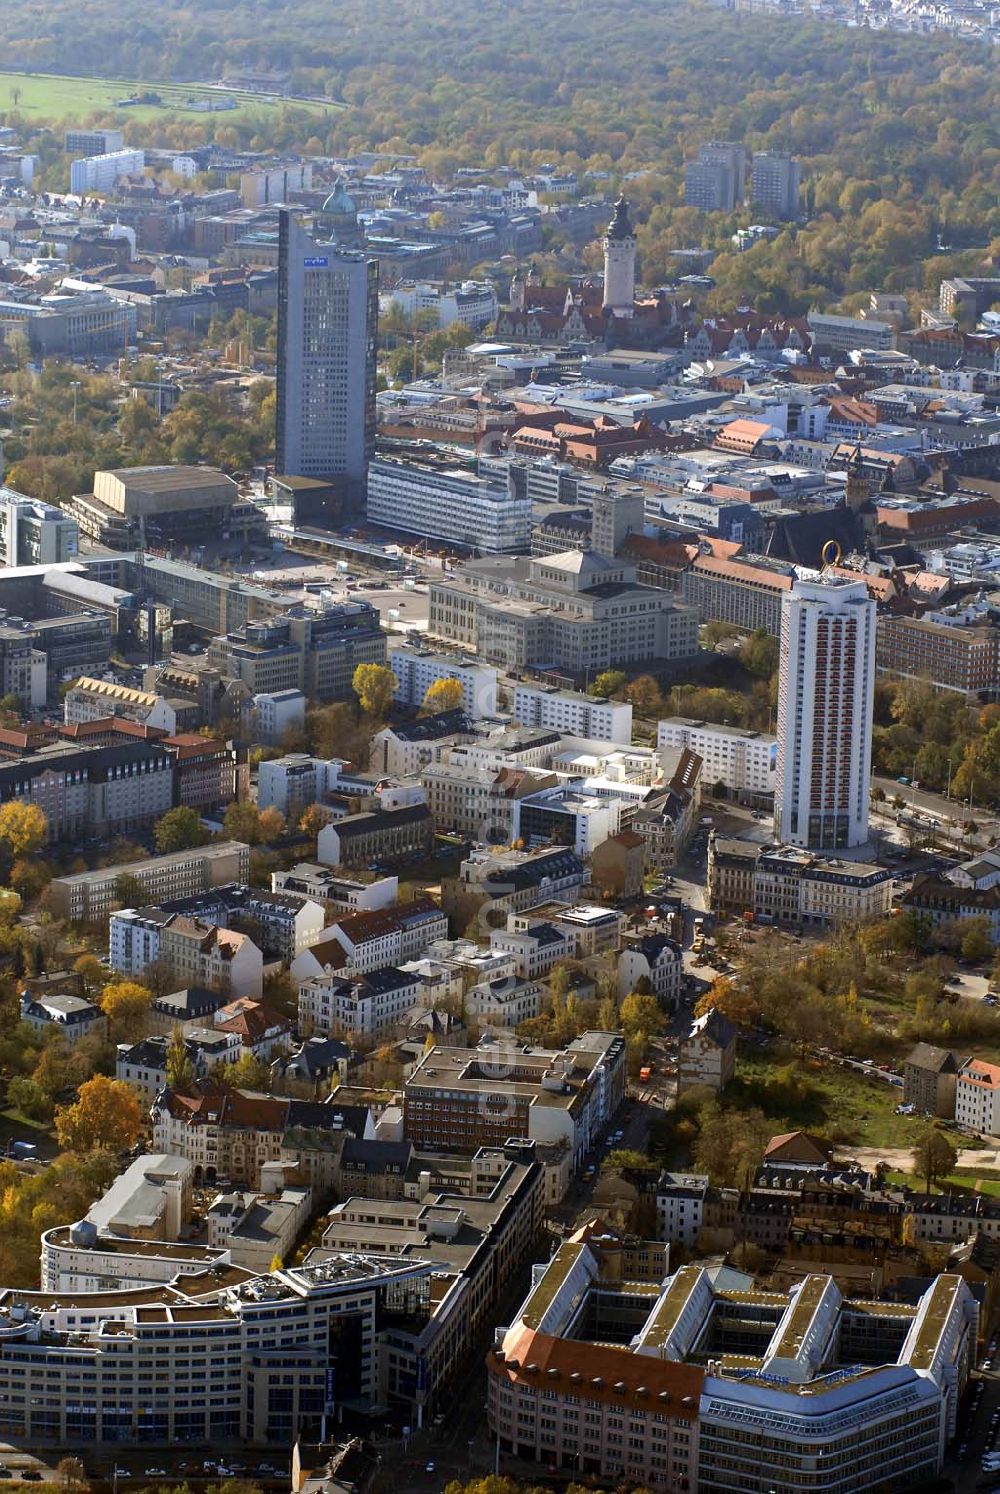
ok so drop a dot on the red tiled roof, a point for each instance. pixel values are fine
(977, 1071)
(742, 435)
(736, 570)
(642, 1378)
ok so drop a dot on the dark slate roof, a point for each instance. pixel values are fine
(381, 819)
(376, 1156)
(193, 1001)
(800, 537)
(311, 1115)
(554, 863)
(95, 762)
(430, 728)
(938, 1060)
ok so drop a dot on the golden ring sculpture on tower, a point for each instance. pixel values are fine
(830, 554)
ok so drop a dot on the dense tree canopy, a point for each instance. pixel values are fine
(900, 135)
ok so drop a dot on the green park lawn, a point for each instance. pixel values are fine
(839, 1103)
(50, 96)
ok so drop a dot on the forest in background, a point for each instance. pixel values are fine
(899, 135)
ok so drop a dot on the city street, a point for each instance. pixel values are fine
(942, 808)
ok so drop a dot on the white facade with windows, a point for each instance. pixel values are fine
(826, 687)
(745, 761)
(276, 712)
(454, 506)
(574, 714)
(99, 173)
(474, 302)
(417, 669)
(680, 1208)
(977, 1097)
(371, 1004)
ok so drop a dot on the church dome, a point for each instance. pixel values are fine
(340, 201)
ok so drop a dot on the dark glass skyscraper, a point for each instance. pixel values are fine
(327, 329)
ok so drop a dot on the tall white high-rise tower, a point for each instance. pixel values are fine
(826, 686)
(619, 262)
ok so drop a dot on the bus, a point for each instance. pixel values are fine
(645, 1074)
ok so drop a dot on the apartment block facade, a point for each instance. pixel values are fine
(88, 896)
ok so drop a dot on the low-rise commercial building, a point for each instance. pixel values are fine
(591, 928)
(787, 885)
(566, 814)
(574, 714)
(256, 1229)
(88, 896)
(460, 1100)
(381, 836)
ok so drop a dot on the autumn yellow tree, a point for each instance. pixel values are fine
(242, 822)
(91, 971)
(731, 1001)
(23, 828)
(443, 695)
(272, 824)
(313, 819)
(106, 1114)
(126, 1005)
(644, 694)
(641, 1016)
(374, 685)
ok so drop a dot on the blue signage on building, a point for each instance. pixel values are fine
(317, 262)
